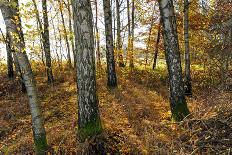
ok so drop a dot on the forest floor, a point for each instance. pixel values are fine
(135, 116)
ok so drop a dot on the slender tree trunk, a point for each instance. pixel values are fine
(10, 68)
(179, 107)
(157, 46)
(112, 79)
(40, 37)
(60, 43)
(97, 35)
(128, 19)
(89, 123)
(46, 43)
(119, 39)
(56, 46)
(14, 61)
(188, 86)
(13, 24)
(131, 56)
(129, 30)
(114, 27)
(45, 38)
(65, 33)
(72, 37)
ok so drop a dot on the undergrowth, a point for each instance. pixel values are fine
(135, 116)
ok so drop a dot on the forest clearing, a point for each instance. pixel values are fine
(116, 77)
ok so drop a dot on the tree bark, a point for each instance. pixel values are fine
(178, 103)
(119, 39)
(89, 123)
(19, 73)
(188, 86)
(13, 23)
(112, 79)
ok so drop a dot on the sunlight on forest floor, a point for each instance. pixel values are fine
(135, 116)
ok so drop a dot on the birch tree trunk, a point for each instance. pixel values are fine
(13, 23)
(119, 39)
(128, 17)
(89, 123)
(188, 86)
(112, 79)
(46, 43)
(178, 103)
(19, 73)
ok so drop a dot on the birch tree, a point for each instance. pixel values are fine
(12, 20)
(89, 123)
(188, 86)
(119, 39)
(112, 79)
(178, 103)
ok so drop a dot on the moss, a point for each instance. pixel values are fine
(40, 144)
(180, 111)
(90, 129)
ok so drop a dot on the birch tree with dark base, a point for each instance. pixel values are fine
(89, 123)
(12, 20)
(178, 103)
(187, 80)
(112, 79)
